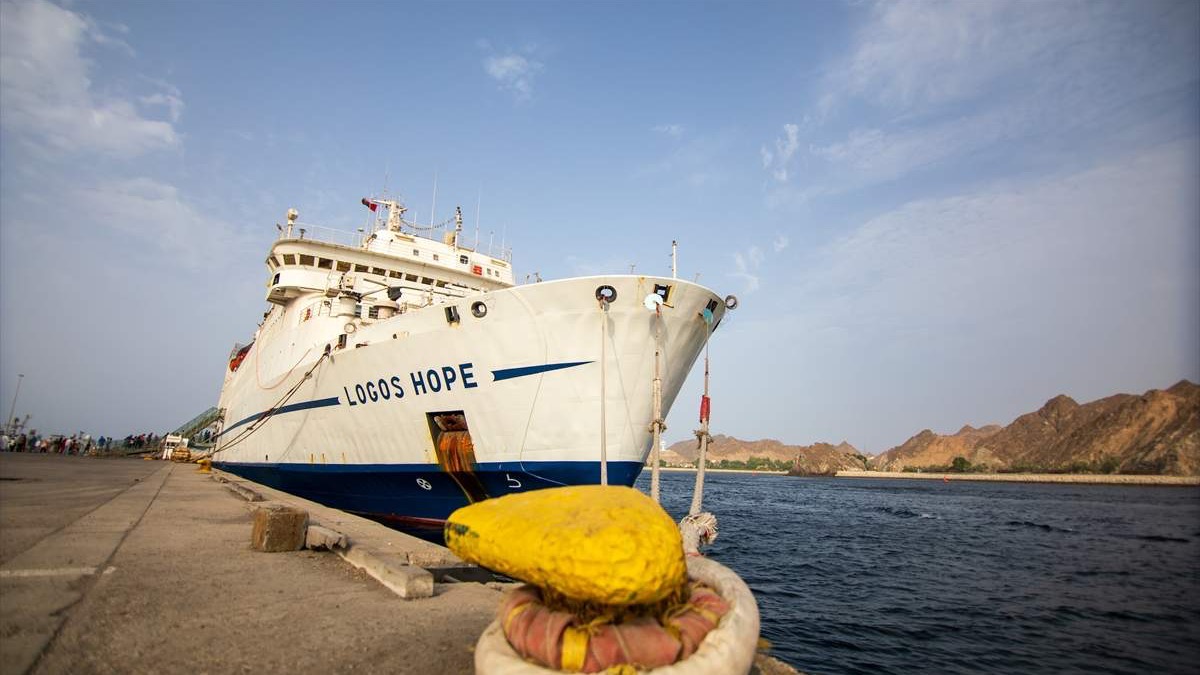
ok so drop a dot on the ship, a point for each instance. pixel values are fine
(400, 374)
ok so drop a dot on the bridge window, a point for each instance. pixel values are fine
(343, 266)
(325, 263)
(360, 268)
(289, 259)
(395, 275)
(306, 259)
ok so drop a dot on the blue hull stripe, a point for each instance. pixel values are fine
(303, 405)
(421, 491)
(497, 375)
(510, 373)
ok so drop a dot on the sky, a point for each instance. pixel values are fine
(933, 213)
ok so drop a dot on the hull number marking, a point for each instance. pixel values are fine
(513, 482)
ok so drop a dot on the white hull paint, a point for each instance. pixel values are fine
(339, 406)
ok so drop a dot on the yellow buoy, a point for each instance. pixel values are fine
(593, 543)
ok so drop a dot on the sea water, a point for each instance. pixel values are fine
(918, 576)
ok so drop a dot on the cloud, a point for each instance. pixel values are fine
(99, 34)
(746, 265)
(672, 130)
(698, 161)
(513, 73)
(1110, 251)
(169, 96)
(46, 94)
(911, 53)
(777, 160)
(931, 85)
(155, 212)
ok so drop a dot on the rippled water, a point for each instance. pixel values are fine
(900, 576)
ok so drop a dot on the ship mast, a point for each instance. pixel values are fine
(395, 213)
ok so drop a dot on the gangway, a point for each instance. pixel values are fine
(197, 424)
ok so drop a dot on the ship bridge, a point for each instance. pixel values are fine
(309, 259)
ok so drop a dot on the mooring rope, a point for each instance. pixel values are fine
(702, 432)
(603, 393)
(258, 378)
(657, 426)
(270, 412)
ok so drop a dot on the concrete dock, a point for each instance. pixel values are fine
(133, 566)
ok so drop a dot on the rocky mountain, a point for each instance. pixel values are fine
(818, 458)
(930, 449)
(1155, 433)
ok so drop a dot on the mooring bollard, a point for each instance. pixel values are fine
(205, 465)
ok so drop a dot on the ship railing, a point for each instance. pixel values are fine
(324, 234)
(329, 235)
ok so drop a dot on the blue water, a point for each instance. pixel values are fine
(906, 576)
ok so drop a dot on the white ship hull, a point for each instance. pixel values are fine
(356, 427)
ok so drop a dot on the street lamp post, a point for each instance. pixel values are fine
(13, 409)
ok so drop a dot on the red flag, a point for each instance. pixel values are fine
(369, 205)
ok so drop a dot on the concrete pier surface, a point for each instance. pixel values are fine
(132, 566)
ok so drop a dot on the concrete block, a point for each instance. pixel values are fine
(278, 528)
(405, 580)
(239, 489)
(244, 492)
(323, 537)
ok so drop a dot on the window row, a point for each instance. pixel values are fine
(341, 266)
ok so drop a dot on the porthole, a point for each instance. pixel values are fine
(606, 294)
(479, 309)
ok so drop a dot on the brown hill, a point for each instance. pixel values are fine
(929, 449)
(819, 458)
(1155, 433)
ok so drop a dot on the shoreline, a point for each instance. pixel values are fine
(1084, 478)
(1076, 478)
(709, 469)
